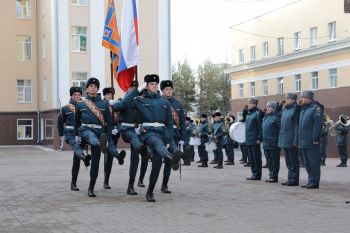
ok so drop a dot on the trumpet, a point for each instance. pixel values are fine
(344, 120)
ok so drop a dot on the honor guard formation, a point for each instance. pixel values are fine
(158, 130)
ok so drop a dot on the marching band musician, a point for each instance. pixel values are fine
(65, 124)
(309, 134)
(324, 140)
(253, 137)
(166, 86)
(218, 138)
(189, 149)
(270, 130)
(108, 93)
(203, 135)
(244, 149)
(229, 143)
(342, 144)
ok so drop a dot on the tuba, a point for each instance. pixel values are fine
(343, 120)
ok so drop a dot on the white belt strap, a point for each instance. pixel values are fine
(93, 126)
(69, 127)
(175, 127)
(128, 124)
(153, 124)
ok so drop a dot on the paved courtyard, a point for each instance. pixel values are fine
(35, 197)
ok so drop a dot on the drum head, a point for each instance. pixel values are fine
(237, 132)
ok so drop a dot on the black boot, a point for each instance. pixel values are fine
(143, 170)
(149, 194)
(120, 156)
(106, 182)
(204, 164)
(91, 189)
(131, 190)
(73, 185)
(219, 165)
(86, 159)
(175, 159)
(103, 143)
(164, 188)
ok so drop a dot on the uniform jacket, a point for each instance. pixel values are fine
(310, 126)
(177, 106)
(127, 111)
(342, 136)
(253, 131)
(218, 132)
(66, 118)
(189, 130)
(270, 130)
(289, 126)
(204, 131)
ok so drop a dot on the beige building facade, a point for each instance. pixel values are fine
(50, 45)
(303, 46)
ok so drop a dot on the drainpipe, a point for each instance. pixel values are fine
(37, 69)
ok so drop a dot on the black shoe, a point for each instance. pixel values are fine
(213, 162)
(312, 186)
(286, 183)
(230, 163)
(243, 162)
(165, 189)
(293, 184)
(247, 165)
(226, 161)
(219, 166)
(103, 143)
(140, 184)
(254, 178)
(273, 181)
(120, 156)
(131, 191)
(268, 180)
(91, 192)
(342, 165)
(204, 164)
(305, 185)
(199, 161)
(149, 197)
(175, 159)
(73, 187)
(106, 185)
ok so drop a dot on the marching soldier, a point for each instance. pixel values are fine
(65, 124)
(309, 134)
(203, 135)
(93, 124)
(288, 137)
(218, 138)
(270, 130)
(253, 137)
(108, 93)
(342, 144)
(156, 130)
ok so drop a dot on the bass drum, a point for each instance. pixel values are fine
(237, 132)
(195, 141)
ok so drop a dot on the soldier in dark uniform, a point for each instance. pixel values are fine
(253, 137)
(288, 137)
(218, 138)
(108, 93)
(270, 130)
(342, 144)
(204, 136)
(93, 124)
(309, 134)
(244, 149)
(229, 143)
(324, 142)
(157, 128)
(179, 135)
(188, 149)
(192, 127)
(65, 124)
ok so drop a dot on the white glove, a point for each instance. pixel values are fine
(115, 131)
(62, 142)
(137, 130)
(143, 86)
(112, 102)
(181, 142)
(77, 139)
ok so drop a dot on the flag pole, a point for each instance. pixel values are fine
(112, 85)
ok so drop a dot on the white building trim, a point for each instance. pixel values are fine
(164, 53)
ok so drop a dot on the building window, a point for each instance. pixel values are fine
(346, 6)
(79, 39)
(313, 32)
(332, 77)
(23, 10)
(240, 90)
(297, 41)
(24, 48)
(44, 90)
(280, 46)
(314, 80)
(80, 2)
(252, 53)
(331, 32)
(265, 87)
(24, 91)
(24, 129)
(43, 8)
(252, 89)
(79, 79)
(297, 79)
(266, 49)
(48, 129)
(280, 86)
(44, 47)
(240, 56)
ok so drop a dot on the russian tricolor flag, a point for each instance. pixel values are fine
(129, 45)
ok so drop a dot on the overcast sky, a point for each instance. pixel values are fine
(200, 28)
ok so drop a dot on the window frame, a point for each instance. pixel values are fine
(332, 31)
(333, 78)
(31, 126)
(241, 90)
(240, 56)
(22, 44)
(313, 37)
(265, 85)
(79, 3)
(314, 80)
(252, 53)
(265, 49)
(252, 89)
(28, 9)
(297, 41)
(24, 87)
(79, 36)
(280, 46)
(280, 86)
(52, 128)
(297, 83)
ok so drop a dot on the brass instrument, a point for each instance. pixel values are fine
(327, 122)
(343, 120)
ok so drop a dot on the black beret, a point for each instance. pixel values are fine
(217, 114)
(107, 90)
(72, 90)
(151, 78)
(166, 83)
(203, 115)
(93, 81)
